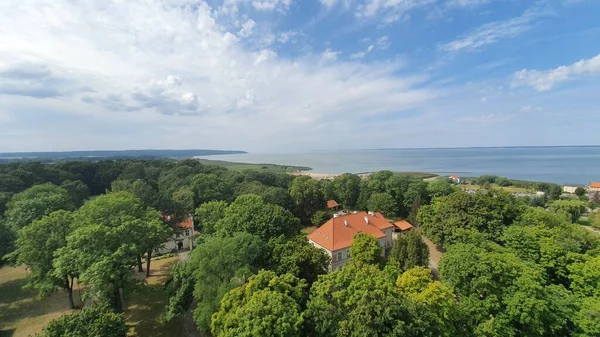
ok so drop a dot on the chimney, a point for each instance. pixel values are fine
(346, 223)
(372, 213)
(367, 220)
(336, 215)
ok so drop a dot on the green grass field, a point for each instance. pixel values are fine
(261, 167)
(22, 314)
(419, 175)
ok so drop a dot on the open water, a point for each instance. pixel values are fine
(562, 165)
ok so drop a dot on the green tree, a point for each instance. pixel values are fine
(440, 188)
(110, 234)
(36, 245)
(249, 213)
(359, 300)
(298, 257)
(320, 217)
(366, 250)
(571, 208)
(346, 187)
(94, 321)
(580, 191)
(451, 218)
(307, 196)
(267, 305)
(209, 187)
(215, 266)
(6, 240)
(436, 300)
(587, 320)
(585, 277)
(410, 251)
(594, 219)
(415, 195)
(35, 202)
(384, 203)
(141, 189)
(208, 214)
(78, 191)
(184, 202)
(502, 295)
(9, 183)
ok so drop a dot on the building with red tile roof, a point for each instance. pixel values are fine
(332, 204)
(594, 186)
(403, 225)
(183, 236)
(336, 235)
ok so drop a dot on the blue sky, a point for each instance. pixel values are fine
(290, 75)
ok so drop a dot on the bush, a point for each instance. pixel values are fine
(320, 217)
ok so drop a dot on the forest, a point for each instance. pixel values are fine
(511, 266)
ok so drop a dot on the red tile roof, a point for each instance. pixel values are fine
(332, 204)
(186, 224)
(338, 233)
(403, 225)
(595, 185)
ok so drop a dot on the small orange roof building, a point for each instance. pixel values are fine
(403, 225)
(332, 204)
(595, 186)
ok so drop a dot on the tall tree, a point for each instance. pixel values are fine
(384, 203)
(436, 300)
(307, 196)
(249, 213)
(267, 305)
(366, 250)
(298, 257)
(214, 267)
(78, 191)
(208, 214)
(35, 202)
(347, 189)
(410, 251)
(440, 188)
(570, 208)
(359, 300)
(6, 240)
(36, 245)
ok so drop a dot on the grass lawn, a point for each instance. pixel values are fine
(22, 314)
(261, 167)
(309, 230)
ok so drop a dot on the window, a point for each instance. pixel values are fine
(187, 232)
(177, 235)
(339, 256)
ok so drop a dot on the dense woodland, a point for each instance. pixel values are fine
(511, 266)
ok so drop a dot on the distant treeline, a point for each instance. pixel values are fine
(109, 154)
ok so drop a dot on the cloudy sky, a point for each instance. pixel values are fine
(280, 75)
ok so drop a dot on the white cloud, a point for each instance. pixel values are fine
(545, 80)
(358, 55)
(467, 3)
(247, 28)
(154, 73)
(494, 31)
(271, 5)
(381, 43)
(330, 55)
(389, 11)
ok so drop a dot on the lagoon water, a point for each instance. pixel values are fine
(562, 165)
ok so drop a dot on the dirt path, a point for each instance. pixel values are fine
(434, 256)
(591, 229)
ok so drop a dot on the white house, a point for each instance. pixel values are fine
(183, 238)
(455, 178)
(594, 187)
(569, 189)
(336, 235)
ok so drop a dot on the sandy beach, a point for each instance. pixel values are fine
(320, 176)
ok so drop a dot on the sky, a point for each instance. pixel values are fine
(295, 75)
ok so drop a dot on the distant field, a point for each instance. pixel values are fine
(510, 189)
(22, 314)
(420, 175)
(261, 167)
